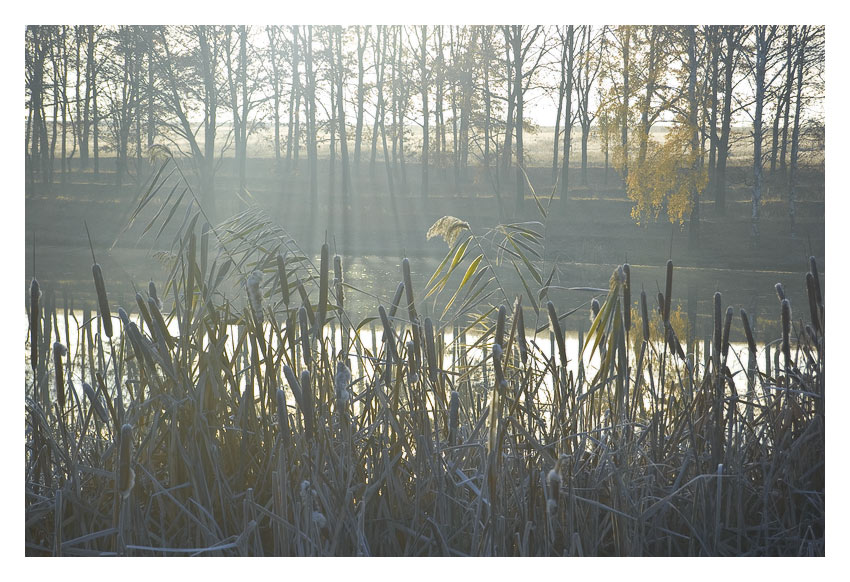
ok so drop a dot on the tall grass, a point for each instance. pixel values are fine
(230, 422)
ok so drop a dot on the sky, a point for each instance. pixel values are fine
(17, 15)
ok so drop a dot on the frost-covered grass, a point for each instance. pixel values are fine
(233, 423)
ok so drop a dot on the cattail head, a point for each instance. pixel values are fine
(668, 292)
(780, 291)
(102, 299)
(431, 350)
(282, 418)
(594, 308)
(412, 375)
(786, 330)
(153, 295)
(122, 315)
(255, 296)
(748, 331)
(307, 404)
(500, 326)
(627, 297)
(520, 329)
(338, 289)
(644, 315)
(553, 486)
(35, 296)
(126, 475)
(342, 382)
(718, 323)
(59, 352)
(497, 366)
(305, 335)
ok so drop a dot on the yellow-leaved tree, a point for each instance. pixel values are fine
(668, 178)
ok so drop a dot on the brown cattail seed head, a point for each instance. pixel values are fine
(780, 291)
(102, 300)
(59, 352)
(668, 291)
(255, 296)
(35, 296)
(644, 315)
(627, 297)
(126, 475)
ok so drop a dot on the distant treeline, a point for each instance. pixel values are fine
(431, 96)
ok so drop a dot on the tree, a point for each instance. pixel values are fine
(763, 38)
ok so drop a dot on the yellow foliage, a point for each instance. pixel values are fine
(667, 179)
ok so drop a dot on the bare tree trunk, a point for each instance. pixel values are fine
(788, 83)
(568, 117)
(423, 88)
(361, 90)
(731, 35)
(343, 145)
(693, 238)
(795, 133)
(764, 38)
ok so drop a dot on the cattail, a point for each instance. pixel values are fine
(661, 305)
(305, 302)
(338, 290)
(520, 327)
(786, 331)
(293, 383)
(431, 351)
(255, 296)
(59, 352)
(408, 288)
(553, 487)
(284, 282)
(748, 331)
(668, 291)
(497, 366)
(126, 475)
(389, 336)
(35, 296)
(780, 291)
(454, 407)
(95, 402)
(396, 299)
(162, 336)
(153, 295)
(813, 304)
(594, 309)
(102, 300)
(305, 336)
(718, 325)
(322, 308)
(143, 310)
(500, 326)
(342, 381)
(282, 418)
(627, 297)
(307, 410)
(412, 375)
(727, 324)
(644, 315)
(556, 329)
(813, 269)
